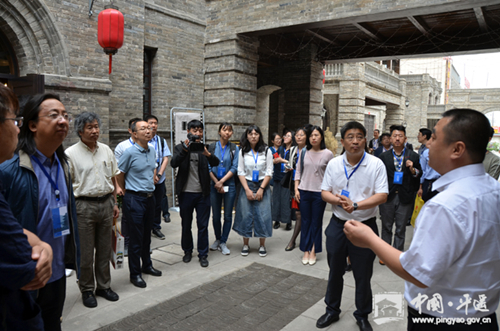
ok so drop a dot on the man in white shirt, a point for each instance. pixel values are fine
(162, 153)
(93, 169)
(452, 267)
(355, 183)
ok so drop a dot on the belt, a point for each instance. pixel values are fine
(141, 194)
(97, 199)
(338, 220)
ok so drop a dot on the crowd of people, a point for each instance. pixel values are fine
(59, 206)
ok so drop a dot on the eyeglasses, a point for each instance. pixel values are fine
(352, 137)
(18, 121)
(56, 117)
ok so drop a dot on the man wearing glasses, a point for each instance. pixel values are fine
(137, 165)
(37, 186)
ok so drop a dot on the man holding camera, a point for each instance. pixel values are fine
(193, 187)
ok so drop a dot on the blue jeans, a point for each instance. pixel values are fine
(312, 208)
(188, 202)
(216, 202)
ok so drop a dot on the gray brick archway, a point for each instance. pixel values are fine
(36, 40)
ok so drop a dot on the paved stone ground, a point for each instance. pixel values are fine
(179, 278)
(257, 297)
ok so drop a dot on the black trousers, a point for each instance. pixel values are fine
(188, 203)
(159, 195)
(51, 301)
(140, 212)
(338, 248)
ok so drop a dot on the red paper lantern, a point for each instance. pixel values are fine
(110, 31)
(324, 76)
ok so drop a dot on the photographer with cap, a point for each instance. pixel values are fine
(193, 187)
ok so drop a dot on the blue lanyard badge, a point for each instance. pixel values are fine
(346, 191)
(221, 170)
(60, 220)
(255, 172)
(283, 168)
(398, 174)
(130, 139)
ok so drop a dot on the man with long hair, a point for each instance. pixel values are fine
(39, 191)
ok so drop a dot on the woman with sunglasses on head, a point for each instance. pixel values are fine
(308, 193)
(253, 211)
(281, 208)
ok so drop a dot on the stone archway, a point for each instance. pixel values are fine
(35, 38)
(262, 114)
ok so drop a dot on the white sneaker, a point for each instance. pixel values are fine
(262, 251)
(68, 272)
(215, 246)
(224, 249)
(245, 250)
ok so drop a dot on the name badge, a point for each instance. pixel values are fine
(345, 193)
(221, 172)
(255, 176)
(282, 167)
(293, 173)
(60, 221)
(398, 177)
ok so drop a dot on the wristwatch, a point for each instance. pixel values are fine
(355, 205)
(159, 175)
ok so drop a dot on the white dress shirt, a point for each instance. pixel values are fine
(246, 165)
(455, 249)
(370, 178)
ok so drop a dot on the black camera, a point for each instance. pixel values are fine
(193, 145)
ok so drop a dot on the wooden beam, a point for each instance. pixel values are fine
(420, 25)
(480, 19)
(367, 32)
(317, 35)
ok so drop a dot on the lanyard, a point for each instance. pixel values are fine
(155, 141)
(400, 160)
(255, 157)
(286, 154)
(352, 173)
(223, 152)
(54, 184)
(130, 139)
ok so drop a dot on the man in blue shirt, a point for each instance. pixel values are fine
(25, 260)
(37, 186)
(162, 153)
(137, 165)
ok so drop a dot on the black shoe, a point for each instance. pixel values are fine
(290, 247)
(107, 294)
(152, 271)
(276, 225)
(364, 325)
(348, 267)
(288, 226)
(204, 261)
(138, 281)
(157, 233)
(326, 320)
(166, 218)
(187, 257)
(88, 299)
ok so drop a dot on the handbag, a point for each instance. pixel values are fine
(418, 205)
(118, 244)
(285, 181)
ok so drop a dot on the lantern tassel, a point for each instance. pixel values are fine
(110, 62)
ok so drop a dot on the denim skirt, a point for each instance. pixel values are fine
(253, 218)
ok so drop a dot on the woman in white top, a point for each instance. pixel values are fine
(253, 211)
(308, 193)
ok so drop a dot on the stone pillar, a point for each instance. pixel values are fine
(394, 116)
(351, 95)
(230, 84)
